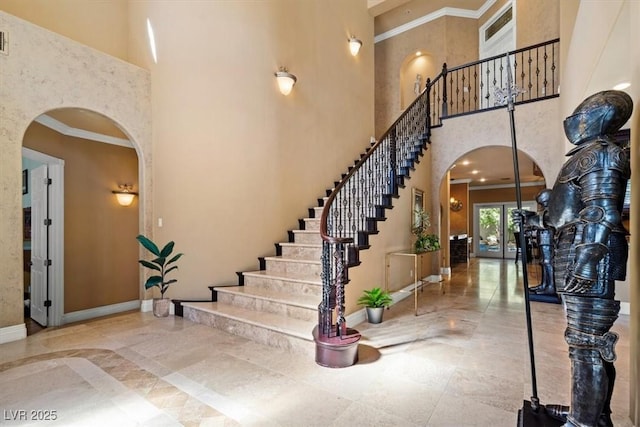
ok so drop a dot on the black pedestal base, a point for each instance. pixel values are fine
(528, 418)
(554, 298)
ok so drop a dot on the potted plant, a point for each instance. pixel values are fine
(161, 264)
(425, 241)
(375, 300)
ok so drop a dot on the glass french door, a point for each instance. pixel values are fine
(493, 229)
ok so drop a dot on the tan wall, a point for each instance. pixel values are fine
(458, 220)
(537, 21)
(99, 235)
(101, 24)
(237, 163)
(449, 39)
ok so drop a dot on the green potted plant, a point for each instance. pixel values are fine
(162, 264)
(425, 241)
(375, 300)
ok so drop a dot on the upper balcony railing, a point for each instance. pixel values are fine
(481, 85)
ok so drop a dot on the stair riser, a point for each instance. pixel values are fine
(312, 224)
(255, 333)
(308, 238)
(275, 307)
(302, 252)
(308, 269)
(278, 285)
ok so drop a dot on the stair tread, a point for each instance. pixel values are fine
(286, 325)
(299, 300)
(298, 260)
(301, 245)
(291, 276)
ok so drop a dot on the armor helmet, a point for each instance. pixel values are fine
(600, 114)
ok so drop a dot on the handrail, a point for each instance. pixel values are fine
(358, 201)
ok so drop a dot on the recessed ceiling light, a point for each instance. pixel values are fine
(475, 172)
(622, 86)
(465, 162)
(482, 180)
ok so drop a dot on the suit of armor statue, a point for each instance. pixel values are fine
(590, 251)
(544, 235)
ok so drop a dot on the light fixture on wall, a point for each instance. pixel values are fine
(354, 45)
(286, 80)
(125, 196)
(455, 204)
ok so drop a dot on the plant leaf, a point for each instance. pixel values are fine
(153, 281)
(166, 251)
(148, 244)
(160, 261)
(170, 282)
(149, 265)
(175, 267)
(175, 258)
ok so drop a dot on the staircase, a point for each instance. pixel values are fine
(296, 300)
(278, 304)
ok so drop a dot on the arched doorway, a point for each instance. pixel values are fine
(482, 194)
(83, 255)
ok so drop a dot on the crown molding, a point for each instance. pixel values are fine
(60, 127)
(491, 187)
(445, 11)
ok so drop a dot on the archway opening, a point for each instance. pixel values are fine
(90, 240)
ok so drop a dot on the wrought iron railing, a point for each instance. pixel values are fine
(480, 85)
(358, 201)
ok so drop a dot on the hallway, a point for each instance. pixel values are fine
(462, 361)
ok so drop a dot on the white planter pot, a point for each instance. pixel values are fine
(161, 307)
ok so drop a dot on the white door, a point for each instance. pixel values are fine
(494, 43)
(493, 226)
(39, 243)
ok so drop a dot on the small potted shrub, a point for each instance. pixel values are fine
(375, 301)
(162, 264)
(425, 241)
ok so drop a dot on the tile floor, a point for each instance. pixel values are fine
(463, 361)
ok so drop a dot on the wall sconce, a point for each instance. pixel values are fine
(455, 204)
(125, 196)
(354, 45)
(286, 80)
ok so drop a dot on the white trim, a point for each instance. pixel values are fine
(445, 11)
(625, 308)
(445, 271)
(105, 310)
(60, 127)
(56, 233)
(13, 333)
(146, 306)
(491, 187)
(511, 26)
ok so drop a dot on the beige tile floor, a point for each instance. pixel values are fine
(463, 361)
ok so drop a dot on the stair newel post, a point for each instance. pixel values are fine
(444, 91)
(427, 100)
(324, 310)
(341, 324)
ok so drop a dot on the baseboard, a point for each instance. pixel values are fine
(434, 278)
(105, 310)
(625, 308)
(446, 271)
(146, 305)
(13, 333)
